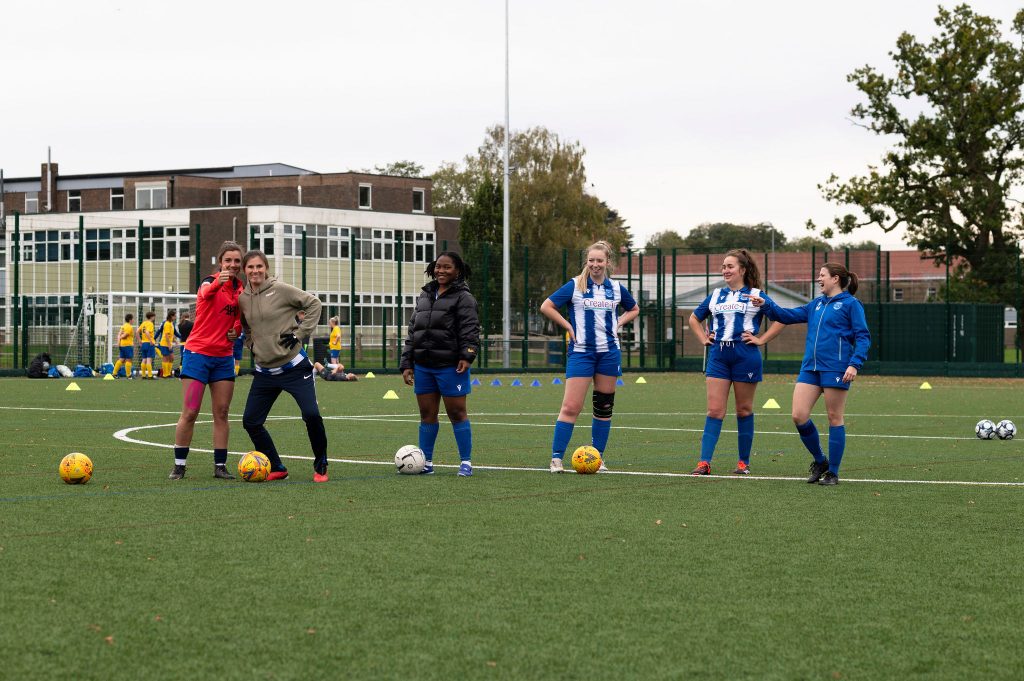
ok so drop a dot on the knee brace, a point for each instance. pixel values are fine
(603, 404)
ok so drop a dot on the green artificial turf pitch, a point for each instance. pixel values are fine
(909, 569)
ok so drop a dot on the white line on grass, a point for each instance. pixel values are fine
(390, 418)
(124, 436)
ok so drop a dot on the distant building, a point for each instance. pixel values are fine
(350, 221)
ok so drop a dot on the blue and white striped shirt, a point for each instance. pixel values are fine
(731, 313)
(593, 313)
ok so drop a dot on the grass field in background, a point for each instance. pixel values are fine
(910, 568)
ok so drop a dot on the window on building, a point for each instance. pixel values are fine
(931, 293)
(31, 202)
(419, 200)
(153, 244)
(897, 295)
(292, 240)
(74, 200)
(47, 248)
(365, 196)
(261, 237)
(97, 244)
(231, 196)
(117, 199)
(150, 197)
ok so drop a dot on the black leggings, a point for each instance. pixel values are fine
(297, 382)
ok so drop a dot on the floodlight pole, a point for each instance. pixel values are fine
(506, 306)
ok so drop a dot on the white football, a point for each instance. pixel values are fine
(409, 460)
(1005, 430)
(985, 429)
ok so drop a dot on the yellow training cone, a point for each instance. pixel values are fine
(926, 386)
(369, 374)
(73, 387)
(771, 404)
(641, 380)
(108, 377)
(390, 395)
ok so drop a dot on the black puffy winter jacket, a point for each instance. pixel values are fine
(443, 329)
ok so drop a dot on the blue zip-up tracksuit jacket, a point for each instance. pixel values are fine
(837, 333)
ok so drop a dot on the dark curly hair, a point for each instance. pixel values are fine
(464, 270)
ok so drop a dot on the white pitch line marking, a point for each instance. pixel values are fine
(124, 436)
(413, 419)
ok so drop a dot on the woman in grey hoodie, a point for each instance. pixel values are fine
(269, 308)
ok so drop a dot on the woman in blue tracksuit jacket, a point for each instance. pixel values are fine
(837, 345)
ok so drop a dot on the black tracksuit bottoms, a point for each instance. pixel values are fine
(297, 382)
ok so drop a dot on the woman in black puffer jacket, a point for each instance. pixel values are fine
(443, 340)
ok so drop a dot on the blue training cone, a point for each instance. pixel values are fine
(476, 381)
(557, 381)
(535, 384)
(619, 382)
(495, 382)
(516, 383)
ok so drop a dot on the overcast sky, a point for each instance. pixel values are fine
(690, 111)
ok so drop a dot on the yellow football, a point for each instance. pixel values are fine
(586, 460)
(75, 468)
(254, 467)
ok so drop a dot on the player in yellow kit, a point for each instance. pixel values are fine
(334, 342)
(166, 343)
(146, 346)
(126, 342)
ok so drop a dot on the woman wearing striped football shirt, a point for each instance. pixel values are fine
(593, 299)
(734, 359)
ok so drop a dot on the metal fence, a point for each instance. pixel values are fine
(67, 307)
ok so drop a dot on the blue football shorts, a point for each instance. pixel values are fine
(588, 364)
(147, 351)
(206, 369)
(126, 352)
(444, 380)
(823, 379)
(736, 361)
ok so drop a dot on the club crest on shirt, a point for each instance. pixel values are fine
(837, 305)
(744, 298)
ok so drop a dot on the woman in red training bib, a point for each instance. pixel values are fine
(208, 360)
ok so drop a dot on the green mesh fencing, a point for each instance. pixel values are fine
(369, 280)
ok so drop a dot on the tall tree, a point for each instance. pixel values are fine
(665, 239)
(549, 207)
(400, 169)
(718, 237)
(550, 212)
(953, 107)
(453, 189)
(482, 219)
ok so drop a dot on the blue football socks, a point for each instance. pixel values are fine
(563, 433)
(180, 455)
(463, 439)
(599, 432)
(220, 457)
(745, 426)
(836, 446)
(428, 436)
(809, 436)
(708, 441)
